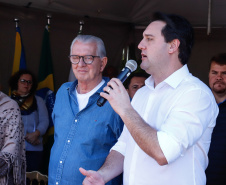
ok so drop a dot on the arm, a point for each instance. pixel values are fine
(144, 135)
(43, 123)
(112, 167)
(43, 116)
(12, 147)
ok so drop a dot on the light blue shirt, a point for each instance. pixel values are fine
(37, 120)
(82, 138)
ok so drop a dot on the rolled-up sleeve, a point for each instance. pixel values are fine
(187, 123)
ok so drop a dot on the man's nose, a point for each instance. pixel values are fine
(141, 45)
(81, 62)
(219, 76)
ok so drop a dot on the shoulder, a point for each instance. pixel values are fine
(192, 83)
(6, 102)
(66, 84)
(64, 87)
(40, 103)
(38, 98)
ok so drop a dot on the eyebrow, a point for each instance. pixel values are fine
(148, 35)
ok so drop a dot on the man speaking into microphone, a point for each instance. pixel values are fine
(83, 132)
(168, 127)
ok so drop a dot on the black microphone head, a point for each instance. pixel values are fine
(132, 65)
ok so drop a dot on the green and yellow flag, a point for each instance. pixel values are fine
(46, 91)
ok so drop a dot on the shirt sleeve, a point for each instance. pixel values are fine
(187, 123)
(43, 116)
(120, 146)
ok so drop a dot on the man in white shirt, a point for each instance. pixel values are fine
(168, 127)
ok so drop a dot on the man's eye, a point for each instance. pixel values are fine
(135, 87)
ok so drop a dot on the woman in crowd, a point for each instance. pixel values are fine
(12, 153)
(34, 115)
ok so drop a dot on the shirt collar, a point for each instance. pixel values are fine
(173, 80)
(222, 102)
(75, 83)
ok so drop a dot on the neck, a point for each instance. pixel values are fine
(22, 94)
(84, 87)
(219, 97)
(161, 74)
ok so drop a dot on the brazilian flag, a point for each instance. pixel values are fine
(46, 91)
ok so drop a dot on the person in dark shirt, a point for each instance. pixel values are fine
(216, 169)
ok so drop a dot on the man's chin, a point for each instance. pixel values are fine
(219, 90)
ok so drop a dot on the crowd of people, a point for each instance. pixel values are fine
(163, 125)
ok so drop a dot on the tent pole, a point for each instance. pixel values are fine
(209, 18)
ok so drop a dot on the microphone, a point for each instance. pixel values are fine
(130, 66)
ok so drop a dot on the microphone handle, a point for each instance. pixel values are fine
(101, 101)
(122, 77)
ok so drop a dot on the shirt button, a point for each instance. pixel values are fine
(68, 141)
(60, 162)
(76, 121)
(56, 182)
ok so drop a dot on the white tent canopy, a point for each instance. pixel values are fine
(133, 11)
(119, 23)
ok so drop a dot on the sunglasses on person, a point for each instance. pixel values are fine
(23, 81)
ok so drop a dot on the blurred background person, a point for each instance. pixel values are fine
(12, 153)
(216, 169)
(34, 115)
(135, 82)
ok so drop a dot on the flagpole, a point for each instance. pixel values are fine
(16, 20)
(48, 19)
(81, 23)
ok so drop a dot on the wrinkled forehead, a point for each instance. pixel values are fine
(89, 48)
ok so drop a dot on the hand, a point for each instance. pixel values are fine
(117, 96)
(92, 177)
(33, 137)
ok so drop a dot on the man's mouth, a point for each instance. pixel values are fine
(219, 83)
(143, 55)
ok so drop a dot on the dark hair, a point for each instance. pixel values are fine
(138, 74)
(179, 28)
(219, 59)
(13, 81)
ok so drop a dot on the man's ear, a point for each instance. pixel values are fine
(104, 62)
(174, 45)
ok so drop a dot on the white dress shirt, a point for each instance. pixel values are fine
(183, 111)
